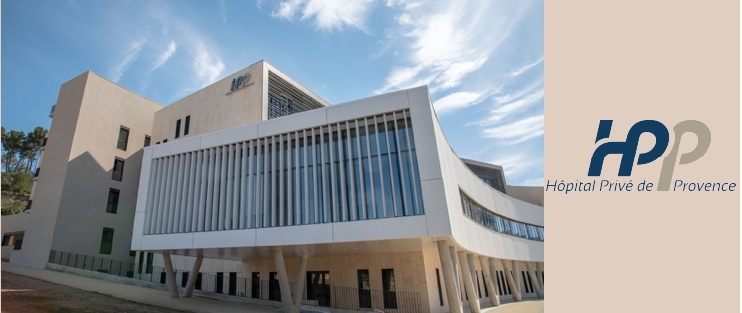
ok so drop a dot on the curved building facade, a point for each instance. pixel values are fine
(334, 187)
(255, 187)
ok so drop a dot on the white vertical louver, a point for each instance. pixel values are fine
(352, 170)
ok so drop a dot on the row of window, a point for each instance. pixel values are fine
(498, 223)
(123, 140)
(185, 129)
(354, 170)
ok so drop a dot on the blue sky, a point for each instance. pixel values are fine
(481, 59)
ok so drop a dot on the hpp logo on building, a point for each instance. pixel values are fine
(628, 149)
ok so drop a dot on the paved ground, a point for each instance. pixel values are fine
(30, 295)
(142, 295)
(527, 306)
(90, 295)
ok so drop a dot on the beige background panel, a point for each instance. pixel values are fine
(628, 61)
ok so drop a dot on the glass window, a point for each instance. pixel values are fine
(113, 201)
(187, 125)
(118, 169)
(123, 138)
(177, 128)
(106, 241)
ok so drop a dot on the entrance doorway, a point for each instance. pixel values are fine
(255, 285)
(318, 287)
(274, 288)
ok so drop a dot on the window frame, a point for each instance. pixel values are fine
(113, 207)
(103, 244)
(113, 171)
(125, 142)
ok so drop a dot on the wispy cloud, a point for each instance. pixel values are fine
(447, 43)
(514, 165)
(455, 101)
(165, 55)
(129, 56)
(206, 65)
(328, 15)
(518, 131)
(526, 67)
(502, 111)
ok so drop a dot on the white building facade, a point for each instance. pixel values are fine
(267, 192)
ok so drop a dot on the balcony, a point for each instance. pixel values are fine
(51, 114)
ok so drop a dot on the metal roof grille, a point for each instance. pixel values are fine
(285, 99)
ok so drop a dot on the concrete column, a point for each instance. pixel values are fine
(511, 281)
(494, 297)
(301, 277)
(283, 281)
(516, 275)
(534, 280)
(471, 258)
(172, 286)
(469, 283)
(449, 278)
(540, 270)
(454, 260)
(193, 276)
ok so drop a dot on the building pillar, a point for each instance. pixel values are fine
(511, 281)
(540, 272)
(283, 281)
(469, 283)
(494, 297)
(471, 258)
(301, 277)
(534, 280)
(454, 259)
(517, 277)
(193, 276)
(172, 286)
(449, 278)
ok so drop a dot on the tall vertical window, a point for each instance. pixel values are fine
(364, 289)
(123, 138)
(177, 129)
(106, 241)
(141, 261)
(147, 139)
(150, 259)
(390, 296)
(113, 201)
(187, 125)
(440, 291)
(118, 169)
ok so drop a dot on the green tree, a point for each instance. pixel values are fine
(12, 144)
(31, 147)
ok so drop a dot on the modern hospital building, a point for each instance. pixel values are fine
(256, 189)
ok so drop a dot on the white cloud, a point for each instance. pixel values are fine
(328, 14)
(450, 42)
(130, 55)
(504, 110)
(206, 65)
(514, 165)
(455, 101)
(165, 55)
(287, 9)
(518, 131)
(526, 67)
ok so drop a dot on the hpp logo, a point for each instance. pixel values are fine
(662, 137)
